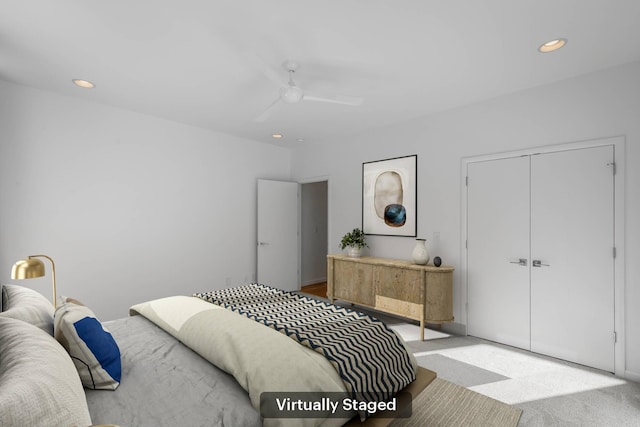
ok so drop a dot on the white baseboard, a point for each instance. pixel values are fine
(633, 376)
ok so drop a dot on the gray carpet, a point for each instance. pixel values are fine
(444, 404)
(551, 392)
(458, 372)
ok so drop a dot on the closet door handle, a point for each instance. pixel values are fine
(538, 263)
(521, 261)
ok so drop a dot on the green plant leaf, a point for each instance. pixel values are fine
(355, 238)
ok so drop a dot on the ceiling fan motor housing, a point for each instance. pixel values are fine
(291, 94)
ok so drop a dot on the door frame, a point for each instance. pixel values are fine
(618, 143)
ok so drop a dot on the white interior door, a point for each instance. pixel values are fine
(278, 234)
(572, 291)
(498, 239)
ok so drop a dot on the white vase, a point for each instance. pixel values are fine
(354, 251)
(420, 253)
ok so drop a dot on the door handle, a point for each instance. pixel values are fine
(521, 261)
(262, 243)
(538, 263)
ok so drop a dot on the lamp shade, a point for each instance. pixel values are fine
(27, 269)
(32, 267)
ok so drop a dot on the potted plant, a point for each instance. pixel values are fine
(354, 240)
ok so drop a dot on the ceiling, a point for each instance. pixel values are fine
(202, 62)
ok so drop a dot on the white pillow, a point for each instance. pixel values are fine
(40, 385)
(91, 347)
(27, 305)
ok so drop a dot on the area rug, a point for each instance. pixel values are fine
(444, 404)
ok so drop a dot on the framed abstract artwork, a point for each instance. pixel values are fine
(389, 196)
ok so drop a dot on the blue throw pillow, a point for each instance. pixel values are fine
(90, 345)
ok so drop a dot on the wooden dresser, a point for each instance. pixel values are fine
(419, 292)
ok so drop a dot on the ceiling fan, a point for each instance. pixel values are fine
(291, 93)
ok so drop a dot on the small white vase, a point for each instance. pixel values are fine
(353, 251)
(420, 253)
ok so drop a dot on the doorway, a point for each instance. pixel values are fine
(314, 231)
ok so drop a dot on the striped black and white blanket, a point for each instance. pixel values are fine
(370, 358)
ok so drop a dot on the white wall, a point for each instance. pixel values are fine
(129, 206)
(597, 105)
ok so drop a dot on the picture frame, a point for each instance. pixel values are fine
(389, 196)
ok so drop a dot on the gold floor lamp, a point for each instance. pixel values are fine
(32, 267)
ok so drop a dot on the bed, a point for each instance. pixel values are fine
(171, 371)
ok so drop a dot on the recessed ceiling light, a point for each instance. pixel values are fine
(83, 83)
(276, 135)
(552, 45)
(300, 139)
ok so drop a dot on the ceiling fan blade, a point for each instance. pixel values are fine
(269, 110)
(269, 72)
(273, 75)
(343, 100)
(258, 64)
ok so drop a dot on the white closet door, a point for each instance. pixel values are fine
(572, 292)
(498, 237)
